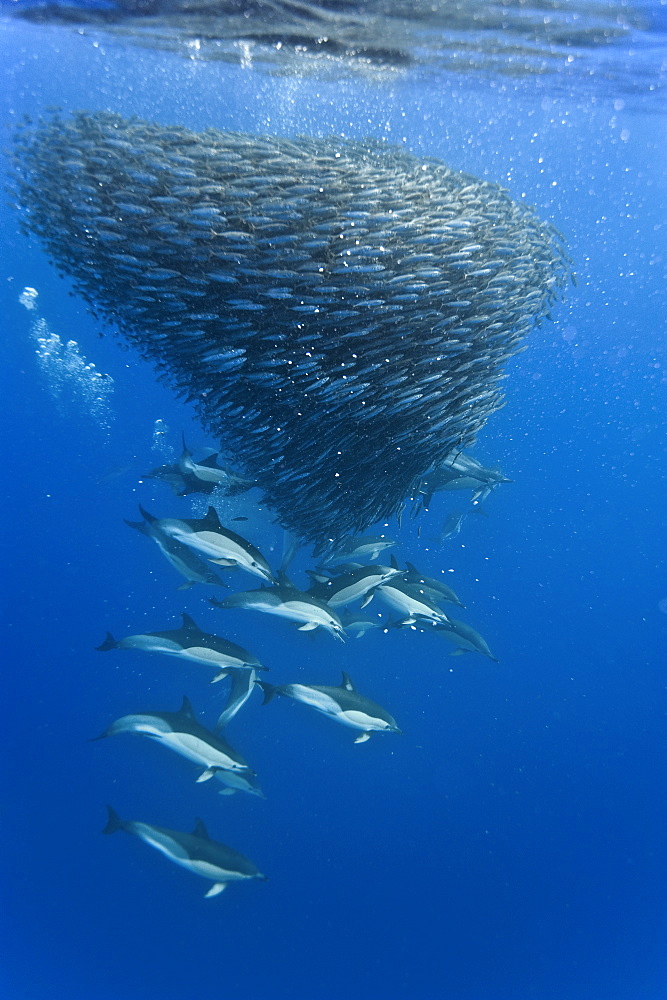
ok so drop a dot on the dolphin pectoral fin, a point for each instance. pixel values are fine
(368, 598)
(227, 791)
(308, 627)
(215, 890)
(207, 774)
(458, 651)
(186, 585)
(227, 563)
(219, 677)
(363, 737)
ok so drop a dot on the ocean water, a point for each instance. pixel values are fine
(509, 845)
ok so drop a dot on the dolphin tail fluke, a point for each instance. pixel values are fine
(109, 643)
(146, 516)
(269, 691)
(139, 525)
(114, 822)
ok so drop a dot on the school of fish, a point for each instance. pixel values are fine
(338, 312)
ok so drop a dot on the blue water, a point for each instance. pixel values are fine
(510, 845)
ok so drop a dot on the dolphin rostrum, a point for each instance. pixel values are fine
(342, 703)
(189, 643)
(194, 851)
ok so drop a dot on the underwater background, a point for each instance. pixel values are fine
(510, 843)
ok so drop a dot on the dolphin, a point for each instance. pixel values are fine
(353, 585)
(209, 475)
(239, 781)
(461, 472)
(411, 600)
(356, 624)
(243, 683)
(194, 851)
(189, 643)
(342, 703)
(183, 559)
(452, 525)
(181, 732)
(207, 537)
(364, 547)
(287, 602)
(171, 474)
(464, 637)
(434, 589)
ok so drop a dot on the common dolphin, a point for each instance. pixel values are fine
(341, 703)
(435, 590)
(353, 585)
(243, 683)
(182, 558)
(189, 643)
(181, 732)
(286, 601)
(207, 537)
(358, 547)
(209, 475)
(411, 600)
(464, 637)
(194, 851)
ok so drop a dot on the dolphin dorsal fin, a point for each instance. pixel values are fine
(347, 683)
(188, 622)
(186, 708)
(211, 462)
(146, 516)
(393, 562)
(185, 447)
(200, 829)
(411, 568)
(212, 517)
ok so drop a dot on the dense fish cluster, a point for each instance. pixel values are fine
(338, 312)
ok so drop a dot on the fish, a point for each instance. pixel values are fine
(345, 360)
(181, 732)
(287, 602)
(207, 537)
(410, 599)
(194, 851)
(343, 704)
(182, 558)
(190, 643)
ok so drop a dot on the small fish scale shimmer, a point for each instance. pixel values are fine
(338, 312)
